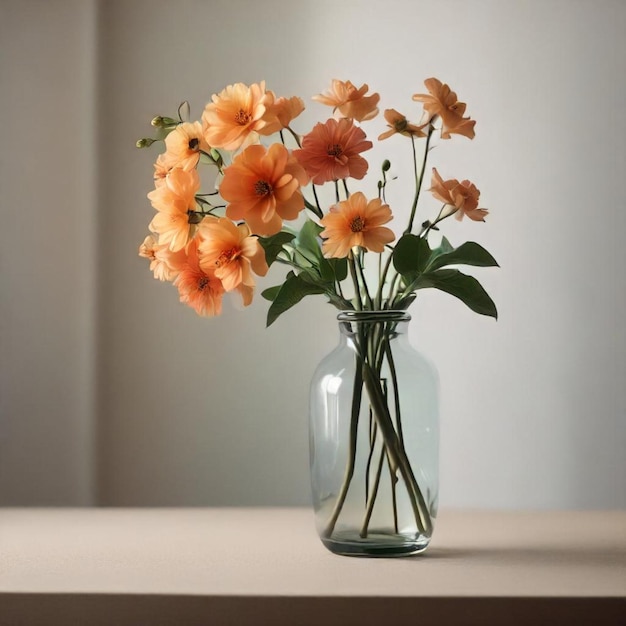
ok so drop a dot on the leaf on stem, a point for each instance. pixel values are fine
(273, 245)
(307, 239)
(271, 292)
(290, 293)
(469, 253)
(465, 288)
(410, 255)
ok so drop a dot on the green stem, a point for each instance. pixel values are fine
(396, 391)
(394, 481)
(355, 280)
(349, 471)
(373, 432)
(359, 266)
(383, 279)
(397, 455)
(418, 177)
(372, 499)
(430, 225)
(317, 201)
(294, 135)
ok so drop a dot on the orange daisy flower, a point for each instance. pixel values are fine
(399, 124)
(262, 187)
(463, 196)
(442, 101)
(161, 170)
(349, 101)
(173, 201)
(280, 113)
(200, 290)
(183, 146)
(228, 250)
(331, 151)
(356, 222)
(236, 115)
(163, 262)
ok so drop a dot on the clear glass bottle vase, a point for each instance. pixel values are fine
(374, 439)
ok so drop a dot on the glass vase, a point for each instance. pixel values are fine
(374, 439)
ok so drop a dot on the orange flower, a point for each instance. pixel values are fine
(262, 187)
(349, 101)
(161, 170)
(183, 146)
(227, 250)
(201, 290)
(173, 201)
(163, 262)
(356, 222)
(236, 115)
(442, 101)
(331, 151)
(463, 196)
(399, 124)
(280, 113)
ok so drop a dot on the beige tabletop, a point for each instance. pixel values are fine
(267, 566)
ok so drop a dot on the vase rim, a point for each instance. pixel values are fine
(385, 315)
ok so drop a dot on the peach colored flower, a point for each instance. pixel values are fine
(163, 262)
(236, 115)
(399, 124)
(331, 151)
(262, 187)
(183, 146)
(228, 250)
(161, 170)
(356, 222)
(442, 101)
(280, 113)
(173, 201)
(349, 101)
(201, 290)
(463, 196)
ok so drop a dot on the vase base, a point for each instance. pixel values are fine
(350, 543)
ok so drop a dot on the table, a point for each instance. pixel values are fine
(240, 566)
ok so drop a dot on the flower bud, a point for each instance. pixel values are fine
(386, 165)
(145, 142)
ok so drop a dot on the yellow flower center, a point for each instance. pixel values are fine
(227, 256)
(334, 150)
(242, 117)
(262, 188)
(357, 224)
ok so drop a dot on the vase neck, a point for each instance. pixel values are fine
(391, 324)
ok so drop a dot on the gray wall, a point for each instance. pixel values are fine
(114, 393)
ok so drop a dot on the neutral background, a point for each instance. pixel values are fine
(113, 393)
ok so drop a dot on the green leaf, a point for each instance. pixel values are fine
(327, 273)
(308, 239)
(273, 245)
(411, 255)
(470, 253)
(291, 292)
(341, 303)
(340, 268)
(465, 288)
(443, 248)
(271, 292)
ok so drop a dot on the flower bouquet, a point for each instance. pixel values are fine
(263, 205)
